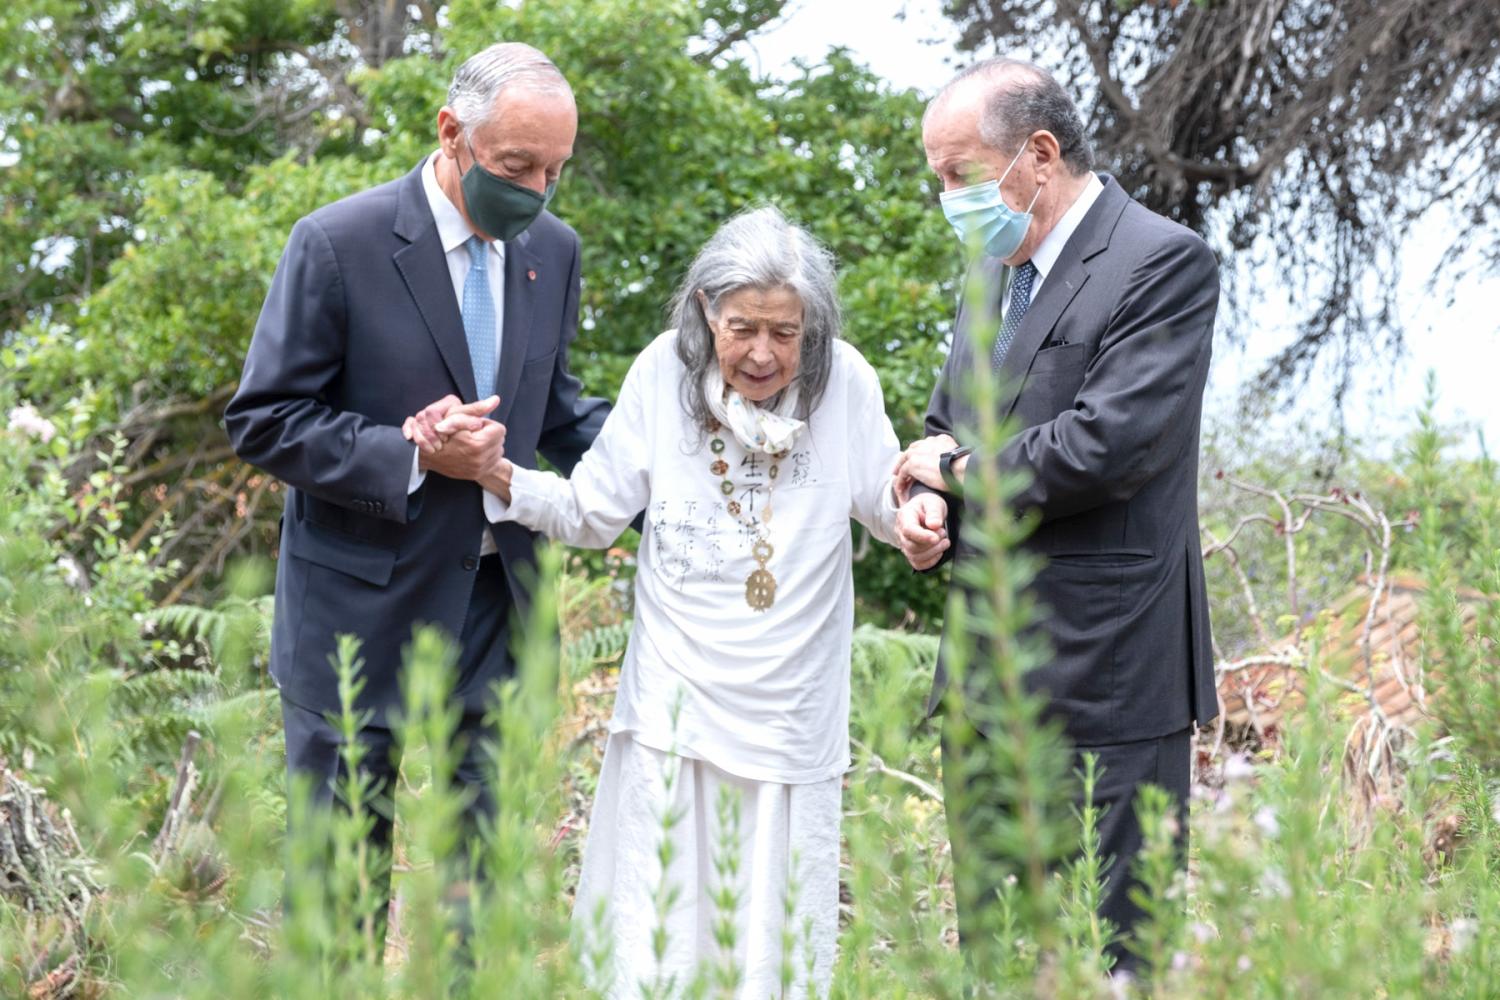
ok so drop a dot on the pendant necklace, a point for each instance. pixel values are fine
(760, 586)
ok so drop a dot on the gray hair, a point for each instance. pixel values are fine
(760, 249)
(1023, 98)
(480, 79)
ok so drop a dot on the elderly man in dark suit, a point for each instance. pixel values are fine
(432, 294)
(1105, 328)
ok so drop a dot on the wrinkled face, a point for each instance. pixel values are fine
(956, 153)
(758, 338)
(960, 158)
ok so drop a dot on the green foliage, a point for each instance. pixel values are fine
(1284, 900)
(175, 317)
(72, 595)
(101, 96)
(1458, 552)
(669, 147)
(144, 205)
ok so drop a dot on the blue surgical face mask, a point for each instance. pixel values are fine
(981, 217)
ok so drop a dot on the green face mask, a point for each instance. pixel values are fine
(497, 206)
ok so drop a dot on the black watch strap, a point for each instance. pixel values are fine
(945, 468)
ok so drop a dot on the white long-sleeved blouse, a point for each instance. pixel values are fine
(760, 694)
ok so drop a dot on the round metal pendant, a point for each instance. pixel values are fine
(762, 551)
(760, 590)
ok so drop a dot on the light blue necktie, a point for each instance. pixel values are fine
(479, 317)
(1020, 301)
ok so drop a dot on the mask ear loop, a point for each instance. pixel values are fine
(1011, 165)
(1034, 198)
(473, 160)
(1008, 169)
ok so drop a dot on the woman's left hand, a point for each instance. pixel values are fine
(919, 463)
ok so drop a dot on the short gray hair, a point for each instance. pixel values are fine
(758, 248)
(1023, 98)
(480, 79)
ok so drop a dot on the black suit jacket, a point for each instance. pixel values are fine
(360, 330)
(1110, 359)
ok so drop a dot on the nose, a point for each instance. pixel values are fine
(760, 350)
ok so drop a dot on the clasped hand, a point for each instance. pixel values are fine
(455, 439)
(920, 464)
(921, 523)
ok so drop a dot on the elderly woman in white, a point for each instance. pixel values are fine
(750, 435)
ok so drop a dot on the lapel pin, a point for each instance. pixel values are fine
(530, 275)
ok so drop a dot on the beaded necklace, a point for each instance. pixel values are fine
(760, 585)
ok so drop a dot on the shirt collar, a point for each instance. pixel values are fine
(1052, 245)
(452, 229)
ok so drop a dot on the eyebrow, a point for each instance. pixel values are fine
(732, 320)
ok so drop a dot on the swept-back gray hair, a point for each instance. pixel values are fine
(483, 75)
(1022, 98)
(760, 249)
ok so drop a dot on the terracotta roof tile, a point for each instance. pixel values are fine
(1395, 655)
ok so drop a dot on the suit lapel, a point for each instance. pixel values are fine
(1066, 279)
(424, 268)
(980, 296)
(978, 310)
(520, 289)
(1057, 292)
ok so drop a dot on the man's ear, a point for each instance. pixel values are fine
(450, 132)
(1047, 152)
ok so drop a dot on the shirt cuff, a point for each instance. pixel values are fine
(418, 476)
(527, 499)
(888, 495)
(495, 509)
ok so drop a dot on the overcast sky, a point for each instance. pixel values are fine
(1460, 342)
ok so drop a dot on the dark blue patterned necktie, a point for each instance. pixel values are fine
(1020, 301)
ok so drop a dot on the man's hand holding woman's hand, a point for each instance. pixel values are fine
(919, 464)
(455, 439)
(921, 523)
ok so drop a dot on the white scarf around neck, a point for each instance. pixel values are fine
(755, 427)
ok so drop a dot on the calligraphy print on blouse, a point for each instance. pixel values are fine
(695, 540)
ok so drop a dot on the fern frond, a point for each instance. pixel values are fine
(597, 646)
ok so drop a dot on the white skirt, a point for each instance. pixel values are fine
(750, 888)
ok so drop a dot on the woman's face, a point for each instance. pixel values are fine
(758, 338)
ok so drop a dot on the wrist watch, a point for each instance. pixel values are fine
(945, 468)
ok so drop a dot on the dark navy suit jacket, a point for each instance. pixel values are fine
(1106, 377)
(360, 330)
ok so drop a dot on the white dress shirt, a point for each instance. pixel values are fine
(1051, 248)
(760, 694)
(455, 232)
